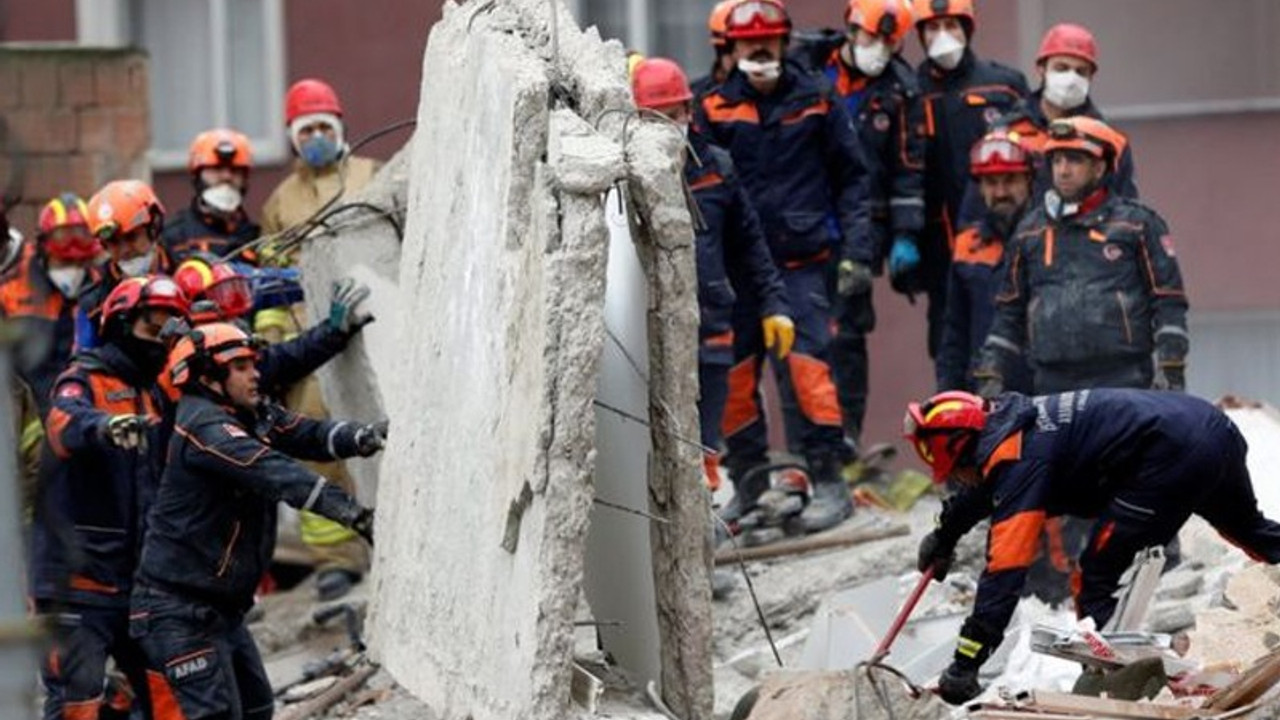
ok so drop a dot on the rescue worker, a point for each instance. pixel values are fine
(720, 46)
(962, 95)
(99, 472)
(880, 91)
(218, 293)
(215, 222)
(213, 524)
(1140, 462)
(798, 157)
(1066, 64)
(1093, 285)
(734, 265)
(325, 171)
(1001, 169)
(38, 297)
(127, 217)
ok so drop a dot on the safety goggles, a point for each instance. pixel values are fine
(997, 151)
(233, 296)
(65, 245)
(755, 11)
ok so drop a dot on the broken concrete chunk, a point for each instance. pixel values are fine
(1180, 584)
(582, 160)
(862, 694)
(1171, 616)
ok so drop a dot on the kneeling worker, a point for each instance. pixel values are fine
(213, 523)
(1139, 461)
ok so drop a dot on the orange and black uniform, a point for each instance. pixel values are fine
(1088, 297)
(800, 162)
(958, 106)
(88, 526)
(44, 321)
(195, 231)
(1139, 461)
(211, 533)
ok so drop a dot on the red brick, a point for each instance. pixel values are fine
(75, 84)
(10, 80)
(44, 176)
(86, 173)
(43, 131)
(96, 130)
(121, 82)
(24, 217)
(39, 82)
(132, 132)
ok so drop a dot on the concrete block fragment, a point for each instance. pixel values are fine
(1180, 584)
(582, 160)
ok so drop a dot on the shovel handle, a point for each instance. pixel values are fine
(882, 650)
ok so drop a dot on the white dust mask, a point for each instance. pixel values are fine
(1065, 88)
(67, 279)
(764, 71)
(223, 197)
(871, 60)
(946, 50)
(139, 266)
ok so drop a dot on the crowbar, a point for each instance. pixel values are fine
(882, 650)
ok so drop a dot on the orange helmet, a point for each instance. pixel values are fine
(718, 22)
(123, 206)
(925, 10)
(753, 19)
(135, 294)
(1068, 39)
(659, 82)
(217, 147)
(890, 18)
(943, 428)
(310, 96)
(208, 348)
(67, 211)
(998, 153)
(1087, 135)
(227, 293)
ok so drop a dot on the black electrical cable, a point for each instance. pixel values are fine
(751, 589)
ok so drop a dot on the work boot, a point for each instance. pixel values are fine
(831, 503)
(333, 584)
(749, 481)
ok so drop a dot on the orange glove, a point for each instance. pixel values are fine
(779, 335)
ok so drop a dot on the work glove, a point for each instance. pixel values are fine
(371, 438)
(363, 525)
(936, 552)
(345, 314)
(852, 278)
(904, 258)
(779, 335)
(128, 432)
(1175, 377)
(959, 683)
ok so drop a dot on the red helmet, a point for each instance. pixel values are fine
(76, 244)
(229, 293)
(890, 18)
(754, 19)
(943, 428)
(136, 294)
(218, 147)
(659, 82)
(718, 22)
(997, 153)
(122, 206)
(208, 347)
(310, 96)
(926, 10)
(1068, 39)
(1087, 135)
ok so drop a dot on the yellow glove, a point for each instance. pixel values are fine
(779, 334)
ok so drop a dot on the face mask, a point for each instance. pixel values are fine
(67, 279)
(871, 60)
(139, 266)
(147, 355)
(766, 71)
(946, 51)
(1065, 89)
(222, 197)
(319, 151)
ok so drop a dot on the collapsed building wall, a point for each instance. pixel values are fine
(491, 368)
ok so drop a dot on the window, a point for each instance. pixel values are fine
(1235, 353)
(213, 63)
(667, 28)
(1172, 57)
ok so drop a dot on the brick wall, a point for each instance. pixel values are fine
(71, 119)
